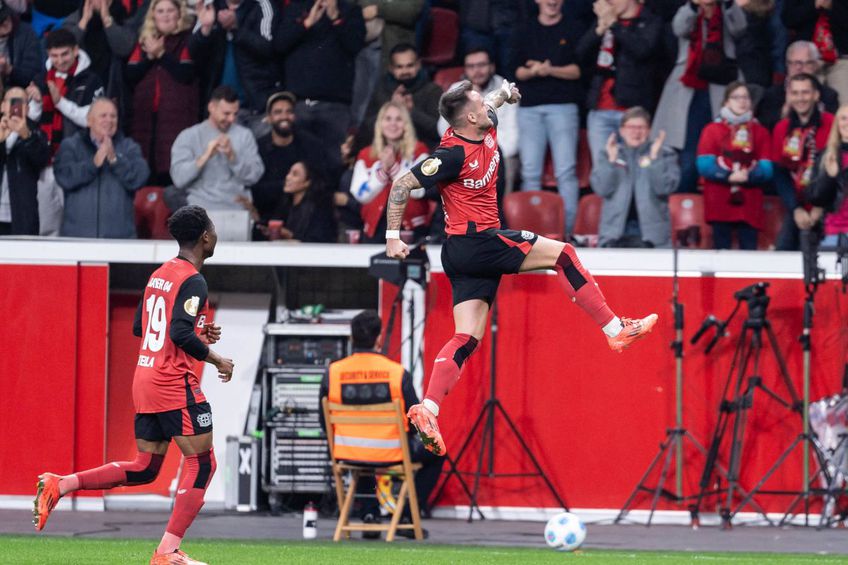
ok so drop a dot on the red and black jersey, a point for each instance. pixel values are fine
(170, 316)
(466, 174)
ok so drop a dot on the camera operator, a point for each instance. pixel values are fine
(831, 182)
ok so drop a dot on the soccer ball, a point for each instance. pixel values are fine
(565, 532)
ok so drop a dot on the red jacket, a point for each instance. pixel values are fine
(716, 140)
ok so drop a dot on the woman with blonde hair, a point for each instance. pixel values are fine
(829, 188)
(393, 152)
(161, 70)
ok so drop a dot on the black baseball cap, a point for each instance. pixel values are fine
(282, 95)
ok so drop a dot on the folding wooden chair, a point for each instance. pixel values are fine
(404, 469)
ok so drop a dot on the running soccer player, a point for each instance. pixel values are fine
(169, 404)
(477, 252)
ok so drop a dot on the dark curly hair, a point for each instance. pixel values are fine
(187, 224)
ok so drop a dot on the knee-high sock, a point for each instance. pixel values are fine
(139, 472)
(448, 365)
(582, 288)
(197, 472)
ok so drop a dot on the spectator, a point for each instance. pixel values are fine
(549, 79)
(347, 208)
(733, 159)
(394, 151)
(825, 23)
(407, 83)
(754, 48)
(395, 21)
(100, 170)
(215, 161)
(621, 49)
(801, 57)
(165, 93)
(831, 183)
(23, 153)
(305, 212)
(707, 32)
(797, 142)
(488, 25)
(320, 40)
(236, 39)
(62, 99)
(279, 149)
(101, 29)
(635, 178)
(20, 51)
(480, 71)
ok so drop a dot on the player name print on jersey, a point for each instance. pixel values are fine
(160, 284)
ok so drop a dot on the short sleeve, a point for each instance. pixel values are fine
(444, 164)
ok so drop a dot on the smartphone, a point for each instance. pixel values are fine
(16, 107)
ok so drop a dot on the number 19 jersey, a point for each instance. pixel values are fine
(165, 377)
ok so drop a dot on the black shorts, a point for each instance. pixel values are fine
(474, 263)
(162, 426)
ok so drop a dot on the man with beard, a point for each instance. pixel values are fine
(406, 83)
(215, 161)
(279, 149)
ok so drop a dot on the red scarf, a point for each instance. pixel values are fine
(697, 41)
(823, 38)
(52, 121)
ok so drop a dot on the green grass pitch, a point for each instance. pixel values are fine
(26, 550)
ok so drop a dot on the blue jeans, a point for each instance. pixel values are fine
(559, 126)
(698, 116)
(600, 124)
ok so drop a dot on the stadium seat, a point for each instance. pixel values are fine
(775, 213)
(589, 218)
(539, 211)
(441, 38)
(447, 76)
(151, 213)
(688, 228)
(362, 416)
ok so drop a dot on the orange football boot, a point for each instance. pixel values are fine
(632, 330)
(45, 499)
(428, 428)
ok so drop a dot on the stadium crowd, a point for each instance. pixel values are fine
(300, 113)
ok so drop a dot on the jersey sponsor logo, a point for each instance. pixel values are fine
(191, 305)
(204, 420)
(474, 164)
(431, 166)
(440, 359)
(160, 284)
(528, 235)
(489, 141)
(490, 172)
(145, 361)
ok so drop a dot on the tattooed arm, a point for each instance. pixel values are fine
(398, 197)
(508, 92)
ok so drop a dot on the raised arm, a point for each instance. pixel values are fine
(508, 92)
(398, 198)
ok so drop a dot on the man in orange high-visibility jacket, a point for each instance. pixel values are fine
(368, 377)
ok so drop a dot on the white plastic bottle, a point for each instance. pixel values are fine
(310, 521)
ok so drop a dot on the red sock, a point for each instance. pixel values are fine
(139, 472)
(197, 472)
(581, 287)
(448, 365)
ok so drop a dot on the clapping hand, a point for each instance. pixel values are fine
(656, 146)
(33, 93)
(315, 13)
(55, 92)
(210, 334)
(153, 46)
(612, 147)
(387, 158)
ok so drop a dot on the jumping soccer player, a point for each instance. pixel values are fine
(171, 320)
(477, 252)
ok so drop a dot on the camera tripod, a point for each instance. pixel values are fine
(485, 424)
(672, 446)
(736, 409)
